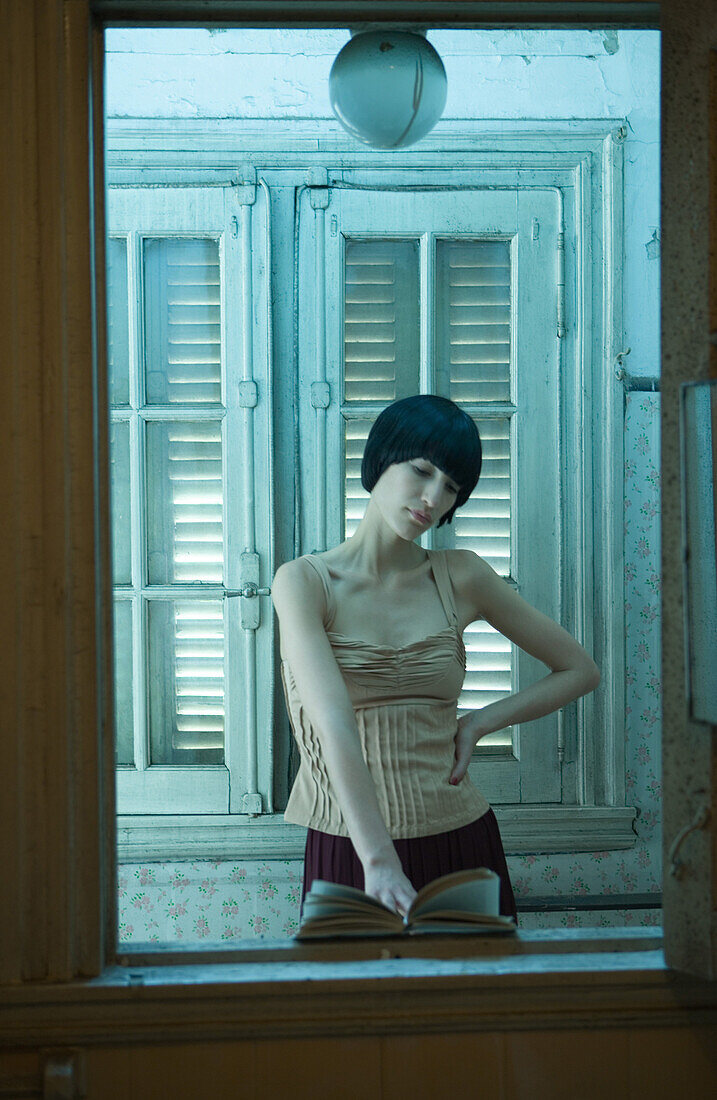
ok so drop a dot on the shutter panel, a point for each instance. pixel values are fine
(355, 496)
(182, 321)
(124, 687)
(381, 344)
(381, 320)
(473, 295)
(472, 326)
(473, 320)
(483, 525)
(185, 502)
(117, 320)
(186, 682)
(173, 253)
(120, 502)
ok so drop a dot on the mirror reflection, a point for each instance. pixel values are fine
(274, 287)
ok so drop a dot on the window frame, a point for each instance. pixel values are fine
(56, 73)
(582, 160)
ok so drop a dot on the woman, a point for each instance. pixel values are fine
(373, 663)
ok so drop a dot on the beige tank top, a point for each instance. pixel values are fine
(405, 701)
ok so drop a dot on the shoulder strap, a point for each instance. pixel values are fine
(323, 572)
(439, 566)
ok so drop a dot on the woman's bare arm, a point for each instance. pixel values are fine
(574, 673)
(298, 598)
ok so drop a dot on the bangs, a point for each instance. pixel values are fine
(454, 455)
(430, 427)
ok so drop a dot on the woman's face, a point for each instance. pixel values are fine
(413, 496)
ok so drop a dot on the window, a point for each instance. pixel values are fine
(475, 283)
(60, 862)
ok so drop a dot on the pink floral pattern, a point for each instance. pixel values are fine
(224, 901)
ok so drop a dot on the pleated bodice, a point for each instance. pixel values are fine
(405, 700)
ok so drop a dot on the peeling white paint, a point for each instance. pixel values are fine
(652, 247)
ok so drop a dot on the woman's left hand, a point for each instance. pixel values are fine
(466, 739)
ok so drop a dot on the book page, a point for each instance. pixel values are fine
(468, 891)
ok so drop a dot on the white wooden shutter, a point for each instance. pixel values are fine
(174, 289)
(456, 294)
(473, 367)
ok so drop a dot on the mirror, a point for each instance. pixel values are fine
(214, 138)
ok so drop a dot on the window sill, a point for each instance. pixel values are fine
(596, 979)
(525, 829)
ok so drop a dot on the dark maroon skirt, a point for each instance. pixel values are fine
(423, 858)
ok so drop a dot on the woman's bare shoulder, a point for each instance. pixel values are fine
(466, 565)
(296, 571)
(468, 572)
(294, 581)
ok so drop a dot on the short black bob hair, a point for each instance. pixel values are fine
(430, 427)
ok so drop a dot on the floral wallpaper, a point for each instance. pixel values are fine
(222, 901)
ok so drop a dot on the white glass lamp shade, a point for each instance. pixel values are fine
(387, 88)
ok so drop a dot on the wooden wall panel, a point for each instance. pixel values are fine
(659, 1063)
(461, 1067)
(316, 1069)
(667, 1062)
(215, 1071)
(591, 1065)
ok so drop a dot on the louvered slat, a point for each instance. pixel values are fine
(355, 496)
(381, 319)
(120, 501)
(473, 319)
(186, 681)
(124, 686)
(473, 286)
(183, 320)
(185, 499)
(472, 322)
(199, 671)
(117, 320)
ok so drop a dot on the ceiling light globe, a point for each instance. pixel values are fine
(388, 88)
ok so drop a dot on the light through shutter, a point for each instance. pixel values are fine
(124, 687)
(182, 321)
(483, 525)
(355, 496)
(472, 295)
(473, 320)
(117, 321)
(184, 502)
(185, 499)
(381, 320)
(186, 689)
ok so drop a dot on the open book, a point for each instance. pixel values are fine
(465, 901)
